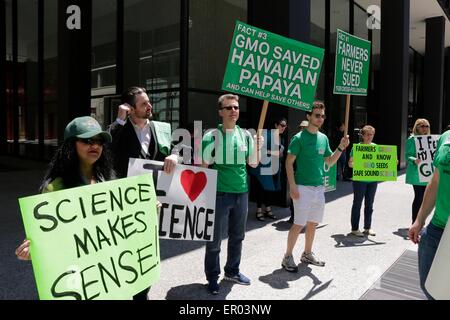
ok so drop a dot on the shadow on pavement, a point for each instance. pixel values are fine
(345, 241)
(198, 291)
(402, 233)
(279, 279)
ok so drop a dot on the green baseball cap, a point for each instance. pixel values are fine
(85, 127)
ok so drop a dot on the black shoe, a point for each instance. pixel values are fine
(270, 215)
(260, 216)
(213, 287)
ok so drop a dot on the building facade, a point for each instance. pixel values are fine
(62, 59)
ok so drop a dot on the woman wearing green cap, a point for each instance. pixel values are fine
(80, 160)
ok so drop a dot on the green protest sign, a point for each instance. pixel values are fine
(374, 162)
(329, 179)
(94, 242)
(352, 64)
(270, 67)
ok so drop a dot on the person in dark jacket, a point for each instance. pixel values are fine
(136, 136)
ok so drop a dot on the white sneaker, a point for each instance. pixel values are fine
(357, 233)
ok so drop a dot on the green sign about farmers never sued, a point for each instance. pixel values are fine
(352, 65)
(270, 67)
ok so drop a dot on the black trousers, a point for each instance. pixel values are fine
(419, 191)
(142, 295)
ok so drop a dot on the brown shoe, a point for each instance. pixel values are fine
(260, 216)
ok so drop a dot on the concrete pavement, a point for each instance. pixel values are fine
(353, 264)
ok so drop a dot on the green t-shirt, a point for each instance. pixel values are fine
(442, 163)
(231, 166)
(412, 174)
(310, 151)
(54, 185)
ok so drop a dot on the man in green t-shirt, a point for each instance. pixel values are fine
(436, 194)
(309, 149)
(228, 149)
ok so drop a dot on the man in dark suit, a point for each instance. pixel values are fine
(136, 136)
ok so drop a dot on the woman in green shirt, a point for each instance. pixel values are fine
(80, 160)
(421, 127)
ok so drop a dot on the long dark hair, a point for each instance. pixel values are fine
(66, 165)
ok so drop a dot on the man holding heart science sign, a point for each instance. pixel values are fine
(228, 149)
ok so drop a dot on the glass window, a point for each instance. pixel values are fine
(152, 42)
(360, 23)
(166, 106)
(9, 73)
(318, 39)
(50, 72)
(104, 17)
(339, 19)
(27, 73)
(211, 29)
(103, 72)
(206, 106)
(360, 102)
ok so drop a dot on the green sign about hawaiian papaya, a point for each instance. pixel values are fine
(270, 67)
(94, 242)
(374, 162)
(352, 64)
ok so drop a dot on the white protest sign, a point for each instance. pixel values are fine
(188, 198)
(425, 150)
(438, 279)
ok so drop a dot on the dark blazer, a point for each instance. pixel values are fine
(125, 144)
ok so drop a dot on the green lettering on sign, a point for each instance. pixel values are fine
(374, 163)
(267, 66)
(94, 242)
(352, 64)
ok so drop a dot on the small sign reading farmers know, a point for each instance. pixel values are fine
(374, 162)
(188, 198)
(267, 66)
(94, 242)
(329, 179)
(425, 150)
(352, 65)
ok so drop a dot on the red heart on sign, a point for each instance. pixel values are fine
(193, 183)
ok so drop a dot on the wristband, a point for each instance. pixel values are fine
(339, 148)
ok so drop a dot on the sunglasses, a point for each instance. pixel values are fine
(424, 126)
(92, 141)
(318, 116)
(282, 125)
(229, 108)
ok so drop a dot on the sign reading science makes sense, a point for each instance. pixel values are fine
(352, 64)
(374, 163)
(94, 242)
(267, 66)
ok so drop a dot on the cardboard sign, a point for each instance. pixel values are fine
(94, 242)
(267, 66)
(438, 279)
(188, 198)
(425, 150)
(374, 163)
(329, 179)
(352, 64)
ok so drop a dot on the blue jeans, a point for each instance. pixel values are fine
(363, 190)
(429, 242)
(231, 207)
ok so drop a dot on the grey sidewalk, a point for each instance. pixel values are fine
(353, 264)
